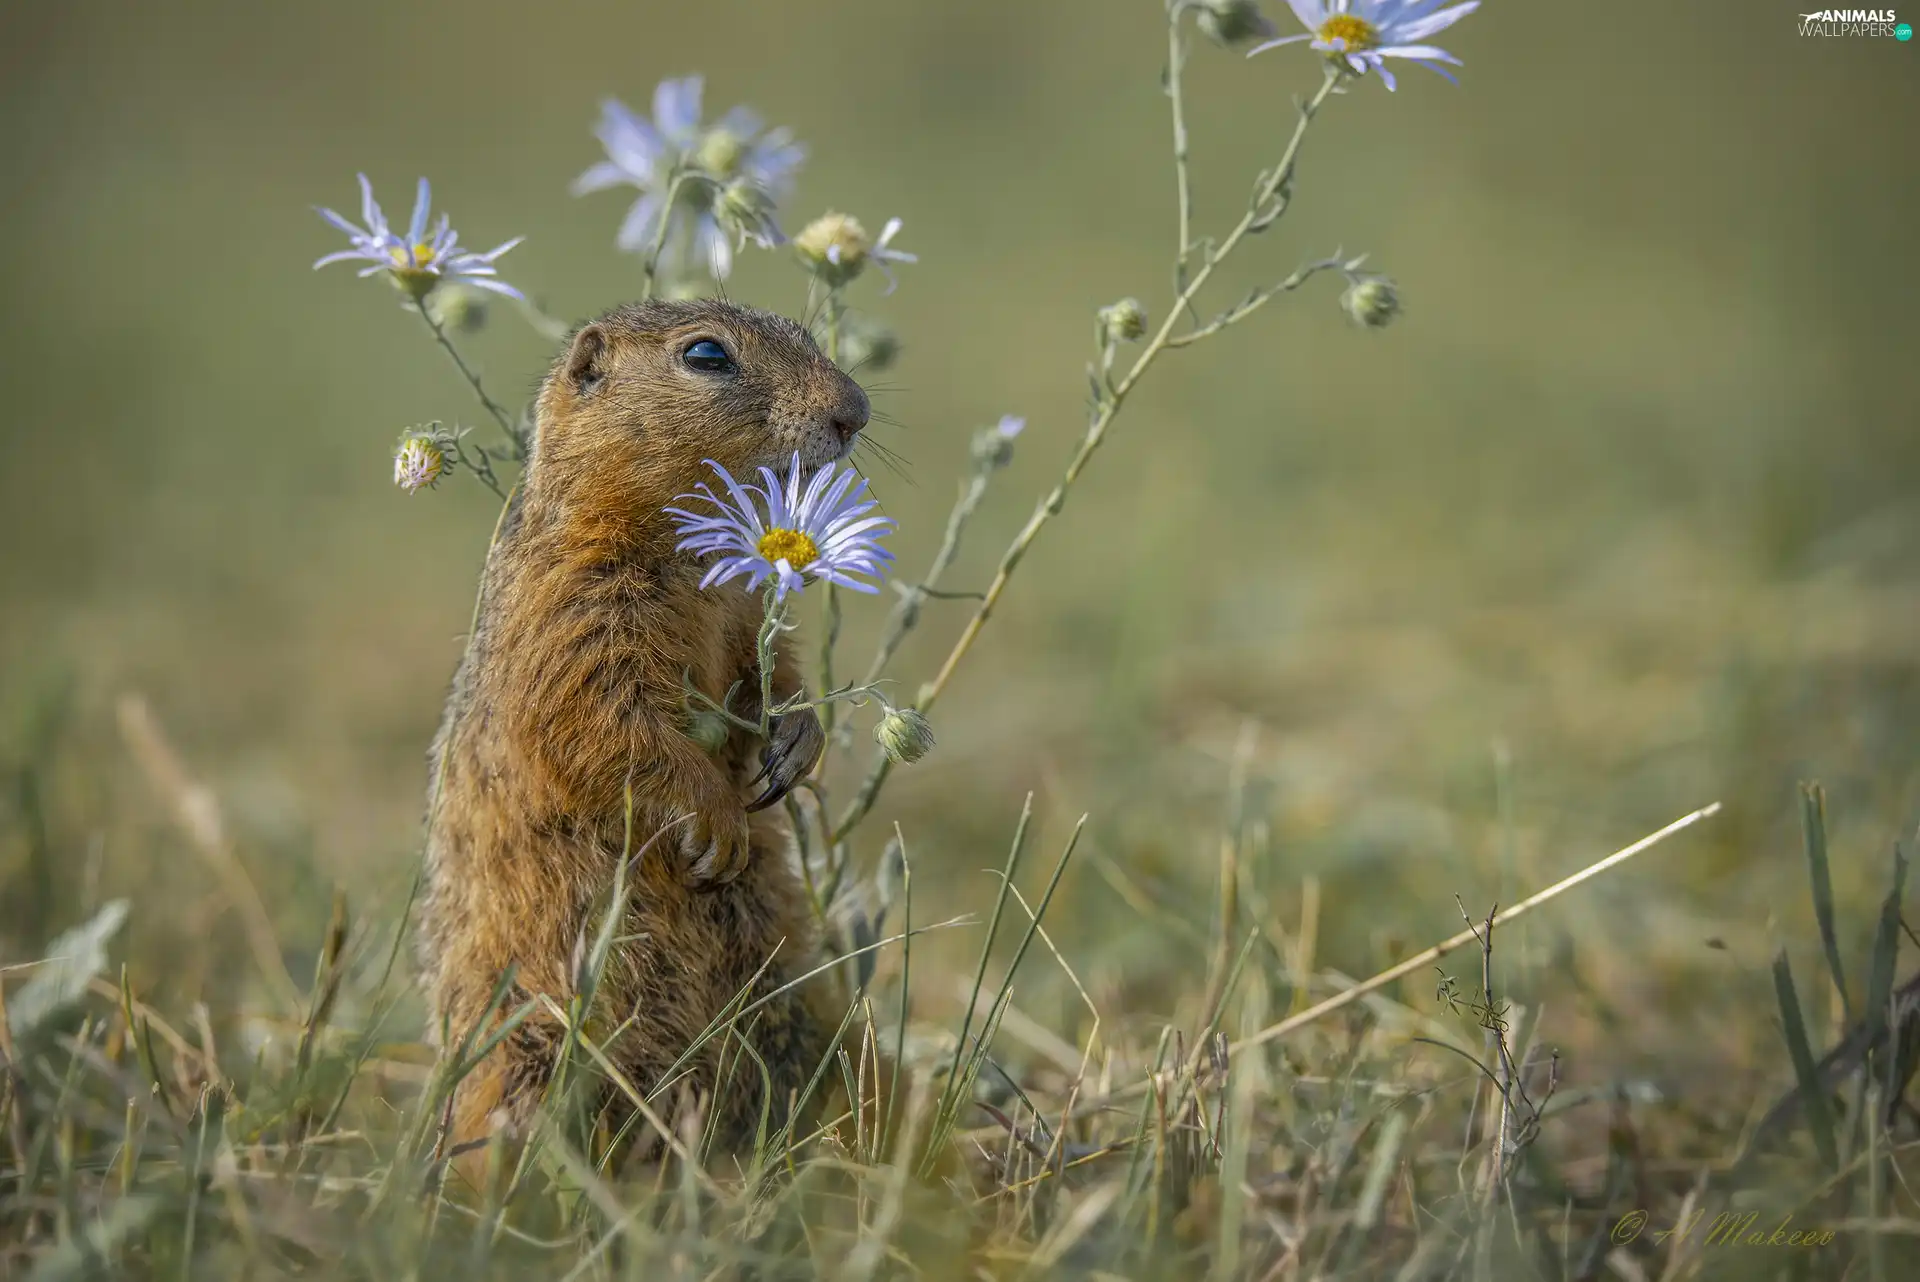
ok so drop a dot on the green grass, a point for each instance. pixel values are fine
(1405, 1133)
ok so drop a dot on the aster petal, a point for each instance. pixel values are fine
(1419, 53)
(676, 108)
(340, 256)
(744, 504)
(1275, 44)
(370, 209)
(1312, 13)
(602, 176)
(742, 122)
(496, 286)
(422, 202)
(711, 242)
(637, 228)
(1431, 24)
(1386, 77)
(340, 223)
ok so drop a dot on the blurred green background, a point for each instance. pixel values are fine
(1627, 499)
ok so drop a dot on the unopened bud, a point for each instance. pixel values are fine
(904, 734)
(867, 345)
(708, 729)
(1124, 321)
(457, 307)
(1232, 22)
(745, 212)
(1372, 301)
(993, 446)
(419, 461)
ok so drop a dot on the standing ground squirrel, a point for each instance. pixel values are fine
(572, 693)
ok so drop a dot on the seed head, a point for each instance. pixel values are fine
(1372, 301)
(905, 735)
(1124, 321)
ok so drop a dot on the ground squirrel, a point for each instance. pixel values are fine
(571, 691)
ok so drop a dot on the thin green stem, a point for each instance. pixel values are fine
(1269, 202)
(769, 628)
(1176, 55)
(651, 269)
(500, 415)
(834, 311)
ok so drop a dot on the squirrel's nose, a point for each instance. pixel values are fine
(850, 415)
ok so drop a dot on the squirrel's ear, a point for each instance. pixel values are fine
(587, 359)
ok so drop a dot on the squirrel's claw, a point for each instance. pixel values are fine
(790, 755)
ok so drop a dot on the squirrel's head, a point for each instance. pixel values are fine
(648, 391)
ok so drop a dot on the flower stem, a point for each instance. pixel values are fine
(831, 639)
(1263, 211)
(651, 270)
(1176, 55)
(1103, 418)
(769, 628)
(500, 415)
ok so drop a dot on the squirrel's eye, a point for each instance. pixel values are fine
(708, 357)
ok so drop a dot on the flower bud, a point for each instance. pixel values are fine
(682, 291)
(745, 212)
(1232, 22)
(419, 461)
(1372, 301)
(993, 446)
(867, 345)
(1124, 321)
(904, 734)
(457, 307)
(833, 247)
(708, 730)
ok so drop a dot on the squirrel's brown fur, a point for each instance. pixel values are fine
(571, 695)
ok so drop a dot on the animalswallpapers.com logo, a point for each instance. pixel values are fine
(1873, 23)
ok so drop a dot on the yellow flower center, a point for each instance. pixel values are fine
(719, 153)
(411, 258)
(1355, 31)
(795, 547)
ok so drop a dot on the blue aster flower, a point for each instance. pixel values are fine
(811, 528)
(642, 153)
(420, 260)
(1364, 33)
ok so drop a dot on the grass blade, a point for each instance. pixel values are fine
(1813, 827)
(1813, 1095)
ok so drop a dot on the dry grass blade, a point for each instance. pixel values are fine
(198, 815)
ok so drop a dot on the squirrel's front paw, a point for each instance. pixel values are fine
(714, 844)
(795, 745)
